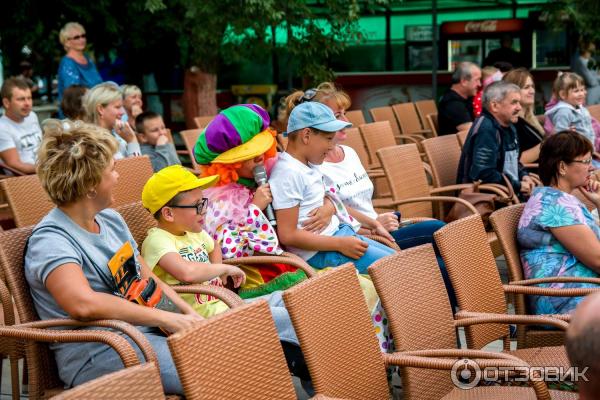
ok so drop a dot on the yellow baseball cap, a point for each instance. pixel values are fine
(168, 182)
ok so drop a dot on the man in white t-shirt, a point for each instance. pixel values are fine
(20, 132)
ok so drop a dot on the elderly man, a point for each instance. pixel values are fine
(20, 133)
(455, 110)
(492, 147)
(583, 346)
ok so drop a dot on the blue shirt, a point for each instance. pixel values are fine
(70, 72)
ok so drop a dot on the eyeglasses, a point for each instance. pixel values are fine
(77, 37)
(587, 161)
(200, 206)
(308, 95)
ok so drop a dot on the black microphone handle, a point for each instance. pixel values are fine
(270, 214)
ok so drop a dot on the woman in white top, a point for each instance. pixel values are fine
(344, 171)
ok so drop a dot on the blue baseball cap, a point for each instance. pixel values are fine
(312, 114)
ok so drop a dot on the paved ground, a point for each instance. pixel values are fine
(5, 392)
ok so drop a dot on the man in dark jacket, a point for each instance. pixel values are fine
(492, 147)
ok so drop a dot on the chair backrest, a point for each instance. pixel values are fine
(234, 355)
(407, 117)
(336, 335)
(138, 219)
(462, 137)
(425, 107)
(432, 123)
(356, 117)
(443, 153)
(377, 135)
(41, 365)
(419, 315)
(202, 122)
(354, 139)
(27, 199)
(594, 111)
(406, 176)
(133, 174)
(386, 114)
(190, 137)
(471, 265)
(141, 382)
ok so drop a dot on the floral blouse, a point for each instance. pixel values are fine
(543, 256)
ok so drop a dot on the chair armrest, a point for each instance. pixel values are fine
(468, 318)
(485, 187)
(556, 279)
(374, 174)
(225, 295)
(394, 203)
(555, 292)
(422, 133)
(112, 339)
(136, 336)
(531, 165)
(7, 305)
(14, 171)
(383, 241)
(408, 139)
(287, 258)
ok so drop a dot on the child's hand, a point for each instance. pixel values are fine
(352, 247)
(237, 275)
(262, 196)
(389, 221)
(162, 140)
(319, 219)
(381, 231)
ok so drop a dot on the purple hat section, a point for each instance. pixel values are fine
(221, 135)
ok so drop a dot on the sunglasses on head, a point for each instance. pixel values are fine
(308, 95)
(76, 37)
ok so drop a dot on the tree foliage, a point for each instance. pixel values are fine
(584, 15)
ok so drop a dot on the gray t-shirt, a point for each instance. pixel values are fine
(56, 241)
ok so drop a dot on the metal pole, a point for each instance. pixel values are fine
(434, 49)
(388, 39)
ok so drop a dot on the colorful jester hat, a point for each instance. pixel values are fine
(237, 134)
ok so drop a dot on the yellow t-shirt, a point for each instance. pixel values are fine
(192, 247)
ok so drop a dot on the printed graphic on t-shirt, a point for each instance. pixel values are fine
(200, 254)
(29, 144)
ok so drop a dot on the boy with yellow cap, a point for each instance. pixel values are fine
(179, 250)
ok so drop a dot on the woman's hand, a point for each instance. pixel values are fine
(262, 196)
(352, 247)
(178, 322)
(380, 230)
(389, 221)
(125, 131)
(320, 217)
(237, 275)
(591, 191)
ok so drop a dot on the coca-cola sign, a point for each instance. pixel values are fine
(481, 26)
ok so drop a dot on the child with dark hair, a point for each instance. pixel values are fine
(154, 140)
(71, 104)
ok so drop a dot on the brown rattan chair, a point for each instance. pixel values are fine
(414, 297)
(356, 118)
(337, 338)
(190, 137)
(380, 114)
(135, 383)
(172, 141)
(133, 174)
(476, 281)
(27, 199)
(505, 222)
(411, 194)
(594, 110)
(424, 108)
(202, 122)
(432, 123)
(409, 122)
(461, 136)
(443, 153)
(12, 349)
(355, 140)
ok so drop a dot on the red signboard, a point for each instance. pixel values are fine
(483, 26)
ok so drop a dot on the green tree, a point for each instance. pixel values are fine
(584, 15)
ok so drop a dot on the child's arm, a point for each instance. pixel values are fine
(198, 272)
(562, 120)
(290, 235)
(371, 224)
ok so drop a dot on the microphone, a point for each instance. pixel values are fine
(260, 177)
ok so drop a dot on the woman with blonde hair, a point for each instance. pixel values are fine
(104, 107)
(529, 130)
(132, 102)
(70, 250)
(75, 68)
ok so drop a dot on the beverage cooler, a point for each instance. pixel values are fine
(418, 48)
(473, 40)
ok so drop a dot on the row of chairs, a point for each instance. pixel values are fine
(336, 335)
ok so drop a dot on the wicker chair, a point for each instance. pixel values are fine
(407, 117)
(505, 222)
(27, 199)
(476, 281)
(381, 114)
(443, 153)
(43, 378)
(356, 117)
(135, 383)
(202, 122)
(414, 297)
(461, 136)
(424, 108)
(432, 122)
(594, 110)
(14, 350)
(133, 174)
(337, 338)
(190, 137)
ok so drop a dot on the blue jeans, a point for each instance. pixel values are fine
(374, 252)
(421, 233)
